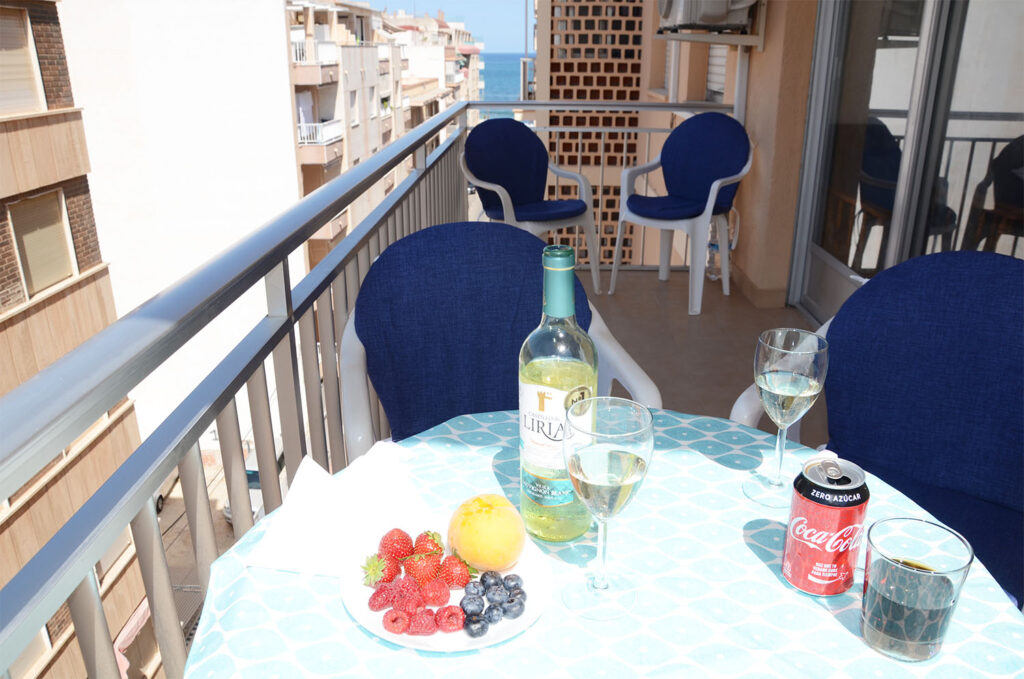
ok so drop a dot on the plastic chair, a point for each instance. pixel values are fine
(508, 164)
(438, 325)
(702, 162)
(1005, 178)
(880, 167)
(925, 389)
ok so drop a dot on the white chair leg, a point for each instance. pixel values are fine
(698, 260)
(617, 258)
(593, 247)
(666, 254)
(722, 222)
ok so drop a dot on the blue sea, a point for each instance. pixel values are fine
(501, 80)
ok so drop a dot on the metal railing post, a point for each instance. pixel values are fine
(234, 469)
(149, 548)
(91, 628)
(197, 509)
(263, 437)
(286, 369)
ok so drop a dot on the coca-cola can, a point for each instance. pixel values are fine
(826, 524)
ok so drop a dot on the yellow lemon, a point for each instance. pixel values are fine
(487, 532)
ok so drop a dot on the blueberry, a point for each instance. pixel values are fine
(513, 581)
(496, 594)
(517, 593)
(475, 626)
(490, 579)
(494, 614)
(475, 588)
(472, 604)
(512, 607)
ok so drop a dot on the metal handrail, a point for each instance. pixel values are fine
(50, 410)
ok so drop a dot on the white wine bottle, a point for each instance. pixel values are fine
(557, 367)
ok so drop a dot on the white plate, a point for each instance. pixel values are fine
(533, 567)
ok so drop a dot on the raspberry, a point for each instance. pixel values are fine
(382, 598)
(449, 618)
(396, 622)
(435, 593)
(409, 603)
(406, 585)
(423, 624)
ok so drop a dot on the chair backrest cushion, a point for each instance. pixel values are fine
(443, 314)
(880, 164)
(506, 152)
(926, 389)
(701, 149)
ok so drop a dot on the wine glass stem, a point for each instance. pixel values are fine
(780, 445)
(600, 579)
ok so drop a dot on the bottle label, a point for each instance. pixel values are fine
(542, 422)
(546, 491)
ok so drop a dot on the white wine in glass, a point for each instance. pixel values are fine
(608, 446)
(789, 371)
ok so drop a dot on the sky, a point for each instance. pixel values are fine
(498, 23)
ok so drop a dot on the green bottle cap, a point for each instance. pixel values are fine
(559, 263)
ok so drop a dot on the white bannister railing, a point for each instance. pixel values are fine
(299, 51)
(326, 52)
(321, 133)
(60, 402)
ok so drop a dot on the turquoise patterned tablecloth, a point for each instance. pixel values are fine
(712, 602)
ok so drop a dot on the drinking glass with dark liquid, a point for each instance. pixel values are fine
(914, 570)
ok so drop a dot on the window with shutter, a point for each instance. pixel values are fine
(21, 89)
(41, 238)
(717, 56)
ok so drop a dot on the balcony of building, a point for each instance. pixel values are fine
(320, 143)
(58, 136)
(314, 62)
(299, 341)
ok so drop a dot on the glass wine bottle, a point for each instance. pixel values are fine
(557, 367)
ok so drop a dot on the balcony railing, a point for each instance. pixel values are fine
(325, 52)
(299, 336)
(321, 133)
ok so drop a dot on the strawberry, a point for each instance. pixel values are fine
(450, 618)
(423, 567)
(428, 541)
(455, 572)
(382, 598)
(381, 568)
(423, 623)
(435, 593)
(396, 543)
(396, 622)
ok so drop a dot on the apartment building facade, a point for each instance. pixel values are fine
(55, 293)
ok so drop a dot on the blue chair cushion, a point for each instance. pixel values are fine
(542, 211)
(925, 389)
(672, 207)
(506, 152)
(700, 150)
(443, 314)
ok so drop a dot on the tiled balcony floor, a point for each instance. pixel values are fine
(700, 363)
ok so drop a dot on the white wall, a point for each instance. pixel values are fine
(189, 120)
(425, 61)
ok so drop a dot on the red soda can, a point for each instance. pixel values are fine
(826, 524)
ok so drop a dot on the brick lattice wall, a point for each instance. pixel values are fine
(53, 64)
(83, 236)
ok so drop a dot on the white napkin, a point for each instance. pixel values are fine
(327, 524)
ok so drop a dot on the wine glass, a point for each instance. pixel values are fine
(789, 371)
(608, 445)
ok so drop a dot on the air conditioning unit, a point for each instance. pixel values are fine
(706, 14)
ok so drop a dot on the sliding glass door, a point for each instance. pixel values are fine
(913, 141)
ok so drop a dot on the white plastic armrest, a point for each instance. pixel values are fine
(586, 193)
(355, 393)
(508, 212)
(614, 362)
(717, 185)
(630, 175)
